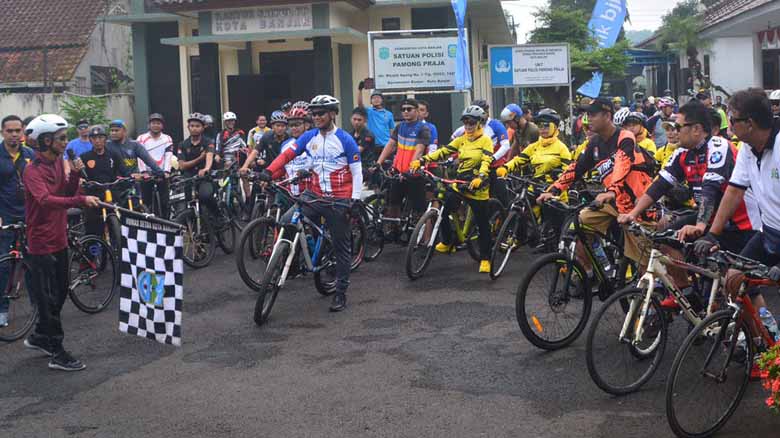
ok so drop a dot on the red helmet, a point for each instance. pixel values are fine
(297, 114)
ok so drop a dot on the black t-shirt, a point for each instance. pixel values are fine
(186, 151)
(268, 148)
(105, 167)
(366, 140)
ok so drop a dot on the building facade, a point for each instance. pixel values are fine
(248, 56)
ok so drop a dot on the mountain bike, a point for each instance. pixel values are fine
(200, 242)
(22, 311)
(627, 338)
(301, 237)
(713, 366)
(114, 192)
(420, 249)
(555, 296)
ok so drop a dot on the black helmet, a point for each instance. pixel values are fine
(156, 116)
(97, 131)
(547, 115)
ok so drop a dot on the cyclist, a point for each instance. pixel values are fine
(655, 124)
(672, 132)
(103, 166)
(301, 162)
(363, 136)
(523, 132)
(130, 150)
(208, 129)
(756, 168)
(411, 138)
(546, 155)
(49, 192)
(617, 103)
(475, 153)
(270, 145)
(337, 176)
(635, 123)
(195, 155)
(230, 145)
(256, 133)
(160, 148)
(624, 170)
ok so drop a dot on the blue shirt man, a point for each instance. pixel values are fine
(80, 144)
(380, 120)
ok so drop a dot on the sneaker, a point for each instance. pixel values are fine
(339, 302)
(3, 319)
(40, 344)
(65, 362)
(484, 266)
(443, 247)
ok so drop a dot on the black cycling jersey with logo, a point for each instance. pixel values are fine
(187, 151)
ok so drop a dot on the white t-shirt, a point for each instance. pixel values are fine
(159, 148)
(762, 175)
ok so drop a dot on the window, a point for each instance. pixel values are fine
(105, 80)
(707, 65)
(195, 82)
(391, 23)
(80, 85)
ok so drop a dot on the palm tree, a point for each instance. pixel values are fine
(680, 34)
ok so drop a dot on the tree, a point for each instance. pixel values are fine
(90, 108)
(567, 21)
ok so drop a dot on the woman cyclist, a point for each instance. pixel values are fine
(475, 153)
(635, 122)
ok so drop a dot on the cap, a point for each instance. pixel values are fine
(703, 95)
(156, 116)
(97, 131)
(117, 123)
(82, 122)
(600, 104)
(377, 93)
(617, 99)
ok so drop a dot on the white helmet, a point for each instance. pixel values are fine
(326, 102)
(229, 116)
(774, 95)
(45, 124)
(620, 116)
(474, 112)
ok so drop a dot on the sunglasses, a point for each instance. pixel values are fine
(318, 113)
(407, 109)
(82, 127)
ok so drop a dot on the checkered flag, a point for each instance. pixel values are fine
(150, 296)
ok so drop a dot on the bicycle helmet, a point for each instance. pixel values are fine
(207, 120)
(156, 116)
(196, 117)
(774, 95)
(635, 117)
(278, 117)
(617, 99)
(473, 112)
(665, 101)
(511, 112)
(286, 106)
(296, 114)
(45, 124)
(620, 116)
(229, 116)
(482, 103)
(325, 102)
(548, 115)
(302, 104)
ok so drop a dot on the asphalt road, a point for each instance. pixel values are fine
(439, 357)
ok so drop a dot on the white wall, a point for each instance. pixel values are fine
(109, 46)
(33, 104)
(735, 63)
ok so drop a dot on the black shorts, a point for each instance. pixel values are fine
(413, 189)
(756, 249)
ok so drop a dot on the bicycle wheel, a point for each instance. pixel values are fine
(496, 220)
(419, 251)
(22, 312)
(114, 234)
(375, 236)
(506, 243)
(325, 277)
(200, 246)
(553, 302)
(254, 250)
(94, 279)
(269, 285)
(709, 375)
(225, 230)
(358, 240)
(618, 365)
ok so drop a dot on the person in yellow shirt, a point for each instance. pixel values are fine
(635, 122)
(665, 152)
(475, 153)
(546, 154)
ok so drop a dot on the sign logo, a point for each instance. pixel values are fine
(502, 66)
(452, 50)
(91, 164)
(715, 157)
(384, 53)
(151, 288)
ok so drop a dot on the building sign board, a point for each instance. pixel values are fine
(530, 65)
(261, 19)
(420, 62)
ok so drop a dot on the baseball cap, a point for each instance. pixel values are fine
(377, 93)
(97, 131)
(599, 104)
(117, 123)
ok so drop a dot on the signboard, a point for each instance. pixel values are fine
(530, 65)
(261, 19)
(413, 63)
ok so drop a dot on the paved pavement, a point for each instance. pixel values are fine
(439, 357)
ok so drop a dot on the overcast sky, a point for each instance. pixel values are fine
(645, 14)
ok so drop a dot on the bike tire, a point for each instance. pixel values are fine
(605, 329)
(699, 337)
(496, 218)
(358, 240)
(226, 234)
(504, 244)
(199, 247)
(114, 234)
(375, 236)
(255, 241)
(582, 293)
(269, 286)
(95, 267)
(22, 312)
(413, 270)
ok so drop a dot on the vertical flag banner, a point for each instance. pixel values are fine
(605, 23)
(462, 69)
(151, 281)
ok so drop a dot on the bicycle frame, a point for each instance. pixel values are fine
(299, 240)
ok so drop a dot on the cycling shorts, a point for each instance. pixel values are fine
(413, 189)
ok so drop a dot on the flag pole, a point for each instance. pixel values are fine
(148, 216)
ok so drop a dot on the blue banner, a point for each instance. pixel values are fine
(462, 69)
(605, 23)
(501, 68)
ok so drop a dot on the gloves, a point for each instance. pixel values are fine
(414, 166)
(361, 85)
(475, 183)
(704, 245)
(501, 172)
(356, 208)
(774, 273)
(265, 175)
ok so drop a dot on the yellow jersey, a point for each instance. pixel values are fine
(474, 158)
